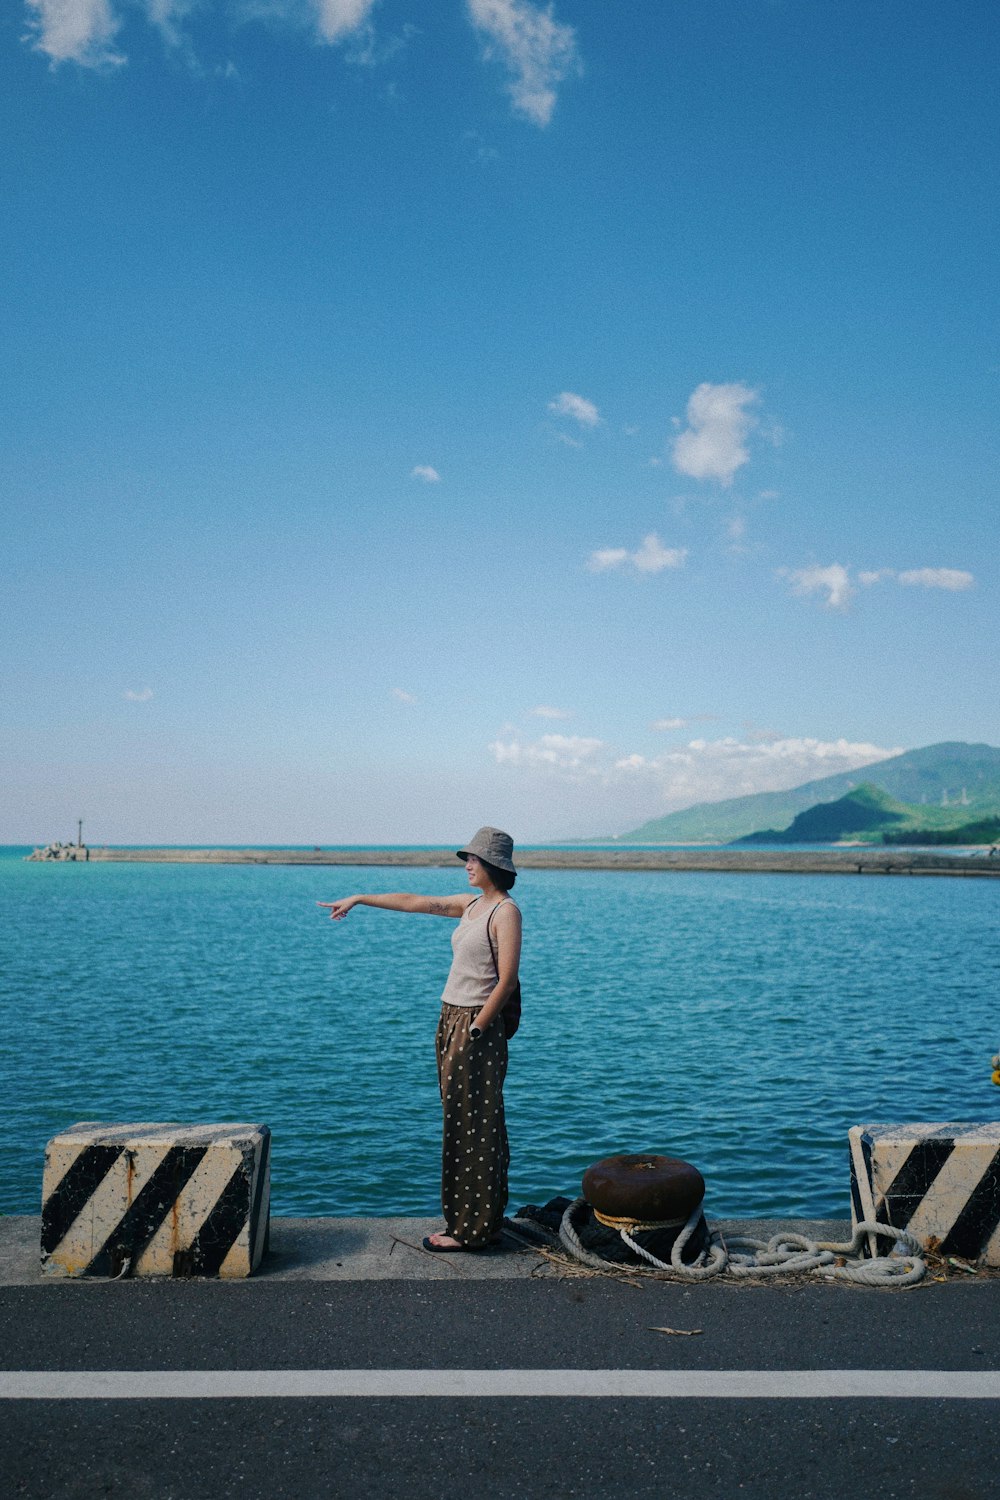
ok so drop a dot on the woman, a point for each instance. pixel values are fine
(471, 1038)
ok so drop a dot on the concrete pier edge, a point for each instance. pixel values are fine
(368, 1249)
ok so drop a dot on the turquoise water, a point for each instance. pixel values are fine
(741, 1021)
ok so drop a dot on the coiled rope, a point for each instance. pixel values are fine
(785, 1254)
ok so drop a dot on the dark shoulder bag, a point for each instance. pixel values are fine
(511, 1012)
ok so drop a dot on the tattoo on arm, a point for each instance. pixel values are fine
(438, 908)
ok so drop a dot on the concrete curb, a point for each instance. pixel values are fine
(370, 1250)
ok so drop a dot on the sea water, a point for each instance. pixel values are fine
(741, 1021)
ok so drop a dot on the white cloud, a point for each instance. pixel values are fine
(538, 50)
(478, 149)
(570, 753)
(650, 557)
(653, 557)
(402, 696)
(426, 473)
(737, 542)
(834, 581)
(937, 578)
(336, 19)
(80, 31)
(166, 16)
(622, 789)
(367, 50)
(546, 711)
(140, 695)
(760, 736)
(666, 724)
(605, 558)
(713, 445)
(83, 31)
(710, 770)
(566, 404)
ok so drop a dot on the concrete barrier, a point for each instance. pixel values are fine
(939, 1181)
(156, 1200)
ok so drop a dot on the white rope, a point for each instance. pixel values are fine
(785, 1254)
(571, 1240)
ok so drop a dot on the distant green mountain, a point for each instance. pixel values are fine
(864, 812)
(982, 831)
(945, 783)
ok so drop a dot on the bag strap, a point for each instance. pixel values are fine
(512, 1004)
(489, 934)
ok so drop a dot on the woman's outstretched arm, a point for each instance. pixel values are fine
(434, 906)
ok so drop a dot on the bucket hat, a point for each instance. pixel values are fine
(493, 847)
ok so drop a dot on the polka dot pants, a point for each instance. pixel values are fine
(475, 1154)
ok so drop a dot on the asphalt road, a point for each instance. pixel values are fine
(307, 1448)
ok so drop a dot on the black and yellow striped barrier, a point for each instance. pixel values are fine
(156, 1200)
(941, 1182)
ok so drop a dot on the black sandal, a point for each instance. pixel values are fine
(469, 1249)
(428, 1244)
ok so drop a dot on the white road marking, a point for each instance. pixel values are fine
(756, 1385)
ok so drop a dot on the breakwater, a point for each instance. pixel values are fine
(748, 861)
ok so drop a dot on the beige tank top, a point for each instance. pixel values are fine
(473, 976)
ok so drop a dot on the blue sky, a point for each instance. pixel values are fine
(423, 415)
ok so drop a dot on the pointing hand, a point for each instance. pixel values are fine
(338, 909)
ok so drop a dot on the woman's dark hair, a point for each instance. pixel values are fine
(502, 879)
